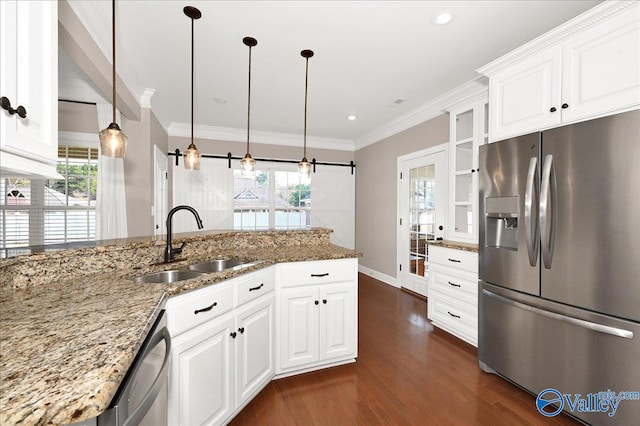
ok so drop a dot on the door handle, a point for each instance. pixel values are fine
(530, 219)
(593, 326)
(548, 212)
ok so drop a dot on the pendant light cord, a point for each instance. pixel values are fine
(113, 50)
(192, 55)
(306, 84)
(249, 101)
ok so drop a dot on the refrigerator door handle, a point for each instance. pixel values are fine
(548, 213)
(593, 326)
(531, 220)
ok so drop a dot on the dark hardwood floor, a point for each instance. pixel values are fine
(407, 373)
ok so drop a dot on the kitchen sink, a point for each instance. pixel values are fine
(218, 265)
(168, 277)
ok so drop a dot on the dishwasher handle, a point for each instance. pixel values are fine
(147, 401)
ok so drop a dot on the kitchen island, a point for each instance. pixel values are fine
(71, 322)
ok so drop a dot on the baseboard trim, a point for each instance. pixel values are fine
(387, 279)
(414, 294)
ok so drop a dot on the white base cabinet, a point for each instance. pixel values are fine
(453, 292)
(317, 314)
(223, 362)
(230, 339)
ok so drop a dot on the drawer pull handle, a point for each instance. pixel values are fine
(454, 284)
(454, 260)
(208, 308)
(453, 315)
(326, 274)
(257, 288)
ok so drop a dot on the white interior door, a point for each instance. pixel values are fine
(422, 199)
(333, 203)
(208, 190)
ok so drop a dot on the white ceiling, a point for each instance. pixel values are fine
(367, 54)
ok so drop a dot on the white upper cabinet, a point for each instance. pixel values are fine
(29, 78)
(467, 131)
(586, 68)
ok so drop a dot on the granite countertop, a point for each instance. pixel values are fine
(66, 346)
(455, 245)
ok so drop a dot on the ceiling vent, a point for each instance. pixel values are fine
(396, 102)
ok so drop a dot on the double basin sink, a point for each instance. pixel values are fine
(193, 271)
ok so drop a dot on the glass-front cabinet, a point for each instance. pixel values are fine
(468, 130)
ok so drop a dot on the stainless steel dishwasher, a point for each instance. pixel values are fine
(142, 396)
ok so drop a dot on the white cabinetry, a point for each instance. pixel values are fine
(586, 68)
(467, 130)
(29, 78)
(223, 351)
(317, 314)
(453, 292)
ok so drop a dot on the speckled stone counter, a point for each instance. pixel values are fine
(71, 322)
(455, 245)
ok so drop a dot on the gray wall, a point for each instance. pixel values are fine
(73, 117)
(376, 191)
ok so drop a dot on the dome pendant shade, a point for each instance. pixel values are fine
(192, 158)
(304, 167)
(113, 141)
(248, 164)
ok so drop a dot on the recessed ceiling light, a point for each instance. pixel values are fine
(352, 117)
(443, 17)
(220, 100)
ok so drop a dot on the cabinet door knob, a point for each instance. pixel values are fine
(324, 301)
(553, 109)
(5, 103)
(233, 334)
(241, 330)
(316, 302)
(565, 106)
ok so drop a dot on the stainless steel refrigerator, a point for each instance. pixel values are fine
(559, 266)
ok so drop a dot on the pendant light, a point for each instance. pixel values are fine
(192, 155)
(304, 167)
(113, 141)
(248, 164)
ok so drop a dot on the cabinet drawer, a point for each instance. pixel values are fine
(459, 318)
(462, 286)
(317, 272)
(186, 311)
(459, 259)
(253, 285)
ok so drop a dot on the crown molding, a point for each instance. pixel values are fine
(258, 137)
(423, 113)
(601, 12)
(145, 98)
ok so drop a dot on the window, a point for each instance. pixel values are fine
(49, 211)
(271, 199)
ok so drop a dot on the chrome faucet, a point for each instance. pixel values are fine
(169, 251)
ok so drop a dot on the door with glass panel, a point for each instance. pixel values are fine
(422, 191)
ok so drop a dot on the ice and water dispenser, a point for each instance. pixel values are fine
(501, 222)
